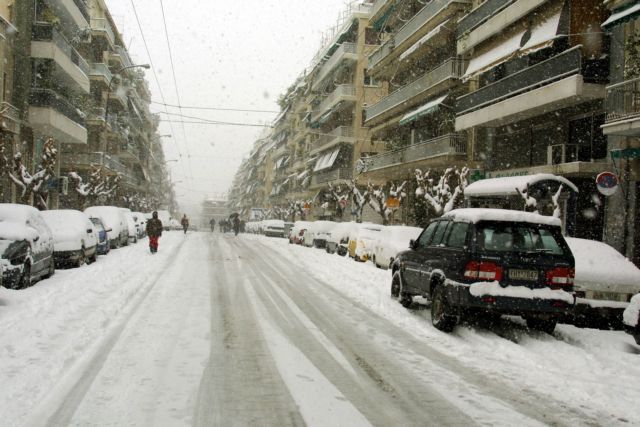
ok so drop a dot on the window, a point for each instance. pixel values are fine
(457, 235)
(518, 238)
(425, 237)
(437, 237)
(370, 81)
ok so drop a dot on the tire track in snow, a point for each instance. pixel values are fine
(58, 408)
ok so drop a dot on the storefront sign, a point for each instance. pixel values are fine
(607, 183)
(392, 202)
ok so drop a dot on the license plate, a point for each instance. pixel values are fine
(523, 274)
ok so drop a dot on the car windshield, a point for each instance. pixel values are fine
(519, 238)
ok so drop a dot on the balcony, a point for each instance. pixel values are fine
(431, 82)
(343, 93)
(52, 115)
(322, 178)
(342, 134)
(101, 27)
(129, 151)
(120, 57)
(280, 151)
(453, 144)
(379, 7)
(623, 109)
(480, 15)
(101, 73)
(431, 15)
(118, 97)
(96, 117)
(48, 43)
(87, 160)
(347, 51)
(558, 82)
(11, 118)
(77, 10)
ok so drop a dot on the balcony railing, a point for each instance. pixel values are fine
(377, 5)
(546, 72)
(481, 14)
(340, 54)
(126, 59)
(101, 70)
(11, 116)
(96, 159)
(450, 69)
(332, 175)
(46, 33)
(342, 91)
(428, 12)
(82, 7)
(339, 133)
(101, 24)
(47, 98)
(623, 101)
(96, 115)
(451, 144)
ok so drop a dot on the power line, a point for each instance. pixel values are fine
(243, 110)
(175, 82)
(215, 122)
(153, 69)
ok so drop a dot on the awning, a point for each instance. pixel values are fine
(323, 118)
(427, 108)
(380, 22)
(281, 115)
(327, 160)
(303, 175)
(279, 163)
(510, 185)
(431, 34)
(522, 41)
(621, 16)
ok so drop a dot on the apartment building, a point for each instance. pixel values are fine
(622, 126)
(10, 126)
(537, 74)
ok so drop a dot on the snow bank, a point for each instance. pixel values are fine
(632, 313)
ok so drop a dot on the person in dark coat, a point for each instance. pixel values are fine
(154, 231)
(212, 223)
(185, 223)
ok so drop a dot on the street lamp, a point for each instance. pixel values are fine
(106, 108)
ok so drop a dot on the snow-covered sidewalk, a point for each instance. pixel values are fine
(590, 370)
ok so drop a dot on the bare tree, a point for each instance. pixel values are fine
(34, 184)
(380, 202)
(447, 193)
(100, 185)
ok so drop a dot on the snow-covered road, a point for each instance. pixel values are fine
(224, 330)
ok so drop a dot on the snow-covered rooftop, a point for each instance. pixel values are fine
(474, 215)
(511, 184)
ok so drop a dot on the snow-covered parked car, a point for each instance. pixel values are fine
(132, 225)
(174, 224)
(362, 240)
(486, 263)
(103, 246)
(165, 217)
(604, 284)
(26, 246)
(318, 233)
(75, 238)
(141, 224)
(115, 222)
(631, 318)
(392, 240)
(296, 234)
(273, 228)
(338, 240)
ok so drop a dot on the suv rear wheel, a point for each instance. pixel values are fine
(405, 299)
(442, 316)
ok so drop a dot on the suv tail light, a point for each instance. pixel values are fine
(560, 277)
(483, 270)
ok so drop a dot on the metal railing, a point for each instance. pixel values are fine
(480, 14)
(47, 33)
(336, 134)
(332, 175)
(377, 5)
(340, 54)
(96, 159)
(419, 20)
(48, 98)
(96, 114)
(341, 91)
(450, 144)
(126, 59)
(102, 24)
(101, 70)
(82, 7)
(623, 101)
(565, 64)
(11, 116)
(451, 69)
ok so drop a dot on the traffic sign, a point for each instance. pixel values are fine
(607, 183)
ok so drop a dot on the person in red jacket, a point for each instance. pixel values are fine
(154, 231)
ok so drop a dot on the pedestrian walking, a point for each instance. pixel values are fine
(185, 223)
(154, 231)
(212, 223)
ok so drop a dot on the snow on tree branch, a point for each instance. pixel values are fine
(447, 193)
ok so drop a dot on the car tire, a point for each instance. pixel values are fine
(52, 269)
(83, 258)
(404, 298)
(25, 278)
(94, 257)
(442, 316)
(546, 326)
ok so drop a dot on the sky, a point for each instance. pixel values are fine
(239, 54)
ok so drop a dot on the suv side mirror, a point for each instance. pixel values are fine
(89, 231)
(413, 244)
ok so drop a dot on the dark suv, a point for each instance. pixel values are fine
(489, 262)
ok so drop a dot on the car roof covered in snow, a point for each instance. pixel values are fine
(510, 185)
(600, 264)
(10, 230)
(475, 215)
(15, 212)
